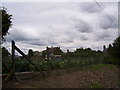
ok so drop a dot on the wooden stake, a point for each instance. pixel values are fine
(47, 53)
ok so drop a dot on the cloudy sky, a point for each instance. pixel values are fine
(69, 25)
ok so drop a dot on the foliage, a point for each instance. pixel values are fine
(113, 51)
(6, 22)
(30, 53)
(5, 53)
(116, 48)
(84, 54)
(104, 47)
(23, 65)
(79, 58)
(20, 66)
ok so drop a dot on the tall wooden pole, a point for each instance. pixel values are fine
(13, 60)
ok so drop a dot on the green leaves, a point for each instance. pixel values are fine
(30, 53)
(6, 22)
(113, 52)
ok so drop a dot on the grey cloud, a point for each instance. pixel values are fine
(46, 39)
(21, 35)
(82, 26)
(83, 38)
(37, 42)
(67, 25)
(47, 42)
(17, 37)
(107, 23)
(104, 35)
(42, 43)
(90, 7)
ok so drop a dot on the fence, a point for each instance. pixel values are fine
(11, 71)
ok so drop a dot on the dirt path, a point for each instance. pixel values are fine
(88, 77)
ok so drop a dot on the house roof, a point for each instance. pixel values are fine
(52, 50)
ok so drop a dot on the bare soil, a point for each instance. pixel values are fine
(85, 77)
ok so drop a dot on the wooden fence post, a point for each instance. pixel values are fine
(13, 60)
(9, 76)
(48, 53)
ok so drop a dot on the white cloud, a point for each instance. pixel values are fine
(59, 0)
(68, 25)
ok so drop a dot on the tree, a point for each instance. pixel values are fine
(68, 51)
(30, 53)
(110, 49)
(6, 22)
(104, 47)
(114, 52)
(116, 48)
(87, 49)
(79, 49)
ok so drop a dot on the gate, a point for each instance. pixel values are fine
(11, 71)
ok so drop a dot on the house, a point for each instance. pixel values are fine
(37, 53)
(37, 56)
(52, 53)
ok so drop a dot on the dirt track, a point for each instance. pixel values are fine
(104, 77)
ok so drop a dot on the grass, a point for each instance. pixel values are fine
(95, 85)
(98, 66)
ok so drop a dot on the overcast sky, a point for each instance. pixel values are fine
(69, 25)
